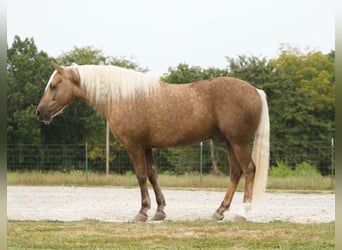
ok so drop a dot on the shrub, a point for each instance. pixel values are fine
(280, 170)
(305, 169)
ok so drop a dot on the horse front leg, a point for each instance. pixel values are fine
(153, 177)
(138, 159)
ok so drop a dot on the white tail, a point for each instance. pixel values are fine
(261, 149)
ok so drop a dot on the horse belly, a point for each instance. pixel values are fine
(181, 132)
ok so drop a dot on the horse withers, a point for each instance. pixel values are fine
(145, 113)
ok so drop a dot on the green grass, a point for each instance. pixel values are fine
(91, 234)
(315, 183)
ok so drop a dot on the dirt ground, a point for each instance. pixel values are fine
(122, 204)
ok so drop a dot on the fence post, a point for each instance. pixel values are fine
(332, 161)
(201, 162)
(86, 160)
(107, 148)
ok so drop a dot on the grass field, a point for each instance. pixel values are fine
(169, 235)
(289, 183)
(91, 234)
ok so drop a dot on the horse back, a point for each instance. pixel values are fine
(182, 114)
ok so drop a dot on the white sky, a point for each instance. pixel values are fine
(164, 33)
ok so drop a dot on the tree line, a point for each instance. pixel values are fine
(300, 87)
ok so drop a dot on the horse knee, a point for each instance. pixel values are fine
(146, 203)
(142, 179)
(152, 177)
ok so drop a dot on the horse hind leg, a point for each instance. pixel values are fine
(153, 178)
(243, 155)
(235, 175)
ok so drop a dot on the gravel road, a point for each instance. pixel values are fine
(122, 204)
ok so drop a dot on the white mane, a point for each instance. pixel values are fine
(106, 83)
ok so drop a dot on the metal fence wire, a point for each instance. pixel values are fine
(205, 158)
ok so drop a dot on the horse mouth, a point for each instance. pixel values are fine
(45, 116)
(47, 122)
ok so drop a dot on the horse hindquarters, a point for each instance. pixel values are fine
(253, 167)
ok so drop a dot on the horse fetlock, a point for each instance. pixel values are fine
(224, 207)
(217, 216)
(140, 217)
(161, 202)
(159, 215)
(146, 204)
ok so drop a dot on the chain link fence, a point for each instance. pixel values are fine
(200, 158)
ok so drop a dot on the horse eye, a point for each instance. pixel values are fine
(52, 87)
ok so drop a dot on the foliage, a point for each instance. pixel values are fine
(27, 71)
(280, 170)
(185, 74)
(307, 90)
(303, 169)
(300, 87)
(301, 96)
(83, 55)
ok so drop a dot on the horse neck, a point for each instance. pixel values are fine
(102, 108)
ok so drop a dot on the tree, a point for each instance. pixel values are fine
(183, 73)
(300, 89)
(307, 90)
(27, 71)
(309, 80)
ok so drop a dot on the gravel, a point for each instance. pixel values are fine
(122, 204)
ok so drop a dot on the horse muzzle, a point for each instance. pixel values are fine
(43, 115)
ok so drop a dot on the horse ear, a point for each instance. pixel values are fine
(57, 67)
(75, 77)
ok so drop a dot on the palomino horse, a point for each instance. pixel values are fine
(145, 113)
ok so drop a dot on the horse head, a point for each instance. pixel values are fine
(61, 89)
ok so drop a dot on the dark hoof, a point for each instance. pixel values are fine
(160, 215)
(217, 216)
(140, 218)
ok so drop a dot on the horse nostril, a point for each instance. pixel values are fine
(37, 113)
